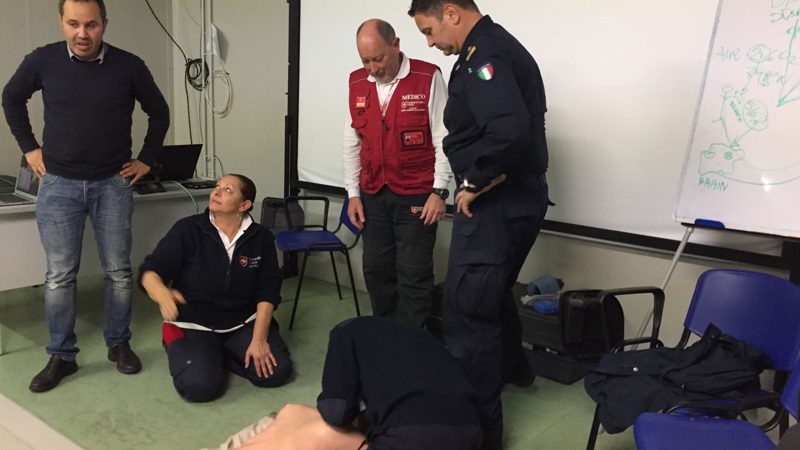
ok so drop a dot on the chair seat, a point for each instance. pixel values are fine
(299, 241)
(655, 431)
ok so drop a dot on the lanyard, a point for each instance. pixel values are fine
(388, 97)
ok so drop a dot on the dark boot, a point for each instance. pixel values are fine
(127, 361)
(51, 375)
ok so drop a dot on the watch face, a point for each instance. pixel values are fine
(444, 193)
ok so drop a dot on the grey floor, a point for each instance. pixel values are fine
(98, 408)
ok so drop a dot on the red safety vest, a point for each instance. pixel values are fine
(396, 149)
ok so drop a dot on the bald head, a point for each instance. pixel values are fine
(379, 49)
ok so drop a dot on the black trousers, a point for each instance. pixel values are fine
(481, 323)
(199, 361)
(398, 256)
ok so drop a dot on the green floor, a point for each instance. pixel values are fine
(99, 408)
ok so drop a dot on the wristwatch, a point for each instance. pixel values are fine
(441, 192)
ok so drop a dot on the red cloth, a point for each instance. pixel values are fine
(170, 333)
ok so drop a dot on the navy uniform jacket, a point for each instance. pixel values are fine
(495, 119)
(495, 112)
(403, 374)
(220, 293)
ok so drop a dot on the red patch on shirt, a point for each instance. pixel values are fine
(243, 261)
(413, 138)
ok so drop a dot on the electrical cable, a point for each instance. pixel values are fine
(191, 197)
(194, 70)
(222, 75)
(216, 158)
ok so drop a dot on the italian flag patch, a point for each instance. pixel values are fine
(486, 72)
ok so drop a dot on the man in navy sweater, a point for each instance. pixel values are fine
(89, 89)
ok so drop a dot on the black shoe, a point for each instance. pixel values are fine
(51, 375)
(127, 361)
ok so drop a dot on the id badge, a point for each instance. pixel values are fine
(412, 138)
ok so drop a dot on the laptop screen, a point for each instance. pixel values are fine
(27, 181)
(178, 162)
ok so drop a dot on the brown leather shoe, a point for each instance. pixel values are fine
(127, 361)
(51, 375)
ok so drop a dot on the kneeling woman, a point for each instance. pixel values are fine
(215, 279)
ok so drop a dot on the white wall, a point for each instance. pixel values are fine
(250, 140)
(253, 37)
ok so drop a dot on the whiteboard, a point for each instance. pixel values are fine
(743, 164)
(622, 80)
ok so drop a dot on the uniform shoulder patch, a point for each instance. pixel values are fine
(486, 72)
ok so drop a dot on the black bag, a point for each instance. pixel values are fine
(566, 346)
(274, 217)
(579, 329)
(584, 323)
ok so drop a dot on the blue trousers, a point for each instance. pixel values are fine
(61, 211)
(199, 361)
(481, 323)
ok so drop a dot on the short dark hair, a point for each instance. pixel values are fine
(248, 189)
(384, 29)
(100, 3)
(435, 7)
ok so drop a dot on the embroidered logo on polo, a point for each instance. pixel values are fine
(361, 102)
(250, 262)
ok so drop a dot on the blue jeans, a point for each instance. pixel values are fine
(61, 210)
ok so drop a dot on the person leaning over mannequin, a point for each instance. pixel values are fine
(89, 89)
(496, 146)
(395, 172)
(385, 385)
(216, 281)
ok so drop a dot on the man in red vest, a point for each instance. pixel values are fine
(395, 171)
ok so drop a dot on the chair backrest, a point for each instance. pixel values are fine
(791, 392)
(760, 309)
(344, 219)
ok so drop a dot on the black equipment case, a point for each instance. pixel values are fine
(566, 346)
(561, 347)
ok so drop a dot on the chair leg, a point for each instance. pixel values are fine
(595, 428)
(352, 282)
(778, 383)
(336, 276)
(297, 294)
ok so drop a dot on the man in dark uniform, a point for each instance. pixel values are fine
(415, 396)
(497, 149)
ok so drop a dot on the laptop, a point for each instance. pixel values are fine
(26, 188)
(178, 162)
(175, 163)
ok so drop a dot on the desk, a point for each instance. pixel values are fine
(23, 261)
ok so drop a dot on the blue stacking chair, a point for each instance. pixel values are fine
(654, 431)
(760, 309)
(311, 238)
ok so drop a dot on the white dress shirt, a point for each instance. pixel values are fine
(230, 244)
